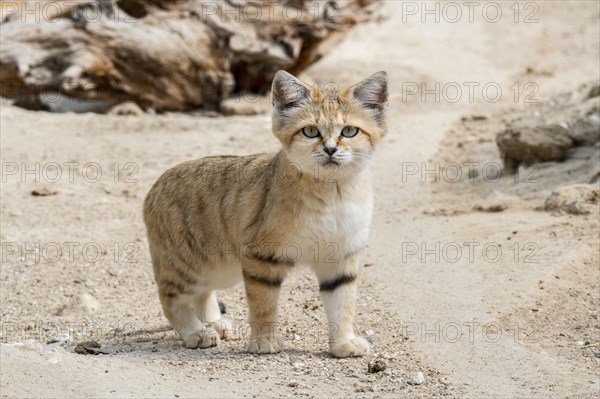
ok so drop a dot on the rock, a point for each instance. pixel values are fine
(594, 92)
(89, 348)
(533, 144)
(293, 384)
(582, 121)
(417, 379)
(126, 108)
(298, 365)
(376, 366)
(585, 130)
(578, 199)
(245, 105)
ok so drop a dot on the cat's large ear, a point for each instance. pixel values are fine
(288, 92)
(372, 95)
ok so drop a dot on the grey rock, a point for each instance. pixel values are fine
(585, 130)
(533, 144)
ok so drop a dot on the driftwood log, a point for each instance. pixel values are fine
(162, 54)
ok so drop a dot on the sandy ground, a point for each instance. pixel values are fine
(484, 304)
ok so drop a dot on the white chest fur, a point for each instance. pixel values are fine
(338, 227)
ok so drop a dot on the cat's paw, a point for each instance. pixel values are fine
(357, 346)
(224, 328)
(204, 338)
(266, 344)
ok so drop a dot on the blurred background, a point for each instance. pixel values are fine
(482, 274)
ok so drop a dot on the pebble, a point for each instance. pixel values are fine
(417, 379)
(376, 366)
(293, 384)
(298, 365)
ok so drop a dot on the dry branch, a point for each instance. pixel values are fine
(162, 54)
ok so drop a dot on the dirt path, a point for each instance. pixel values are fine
(450, 303)
(466, 323)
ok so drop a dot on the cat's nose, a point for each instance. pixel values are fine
(330, 151)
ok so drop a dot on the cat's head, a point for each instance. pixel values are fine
(327, 128)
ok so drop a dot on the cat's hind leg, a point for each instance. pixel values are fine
(262, 281)
(179, 309)
(208, 311)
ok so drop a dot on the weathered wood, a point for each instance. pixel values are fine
(162, 54)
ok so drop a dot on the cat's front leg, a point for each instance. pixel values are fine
(263, 283)
(337, 284)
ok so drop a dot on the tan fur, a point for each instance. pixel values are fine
(216, 221)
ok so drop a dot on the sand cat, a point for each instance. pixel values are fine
(216, 221)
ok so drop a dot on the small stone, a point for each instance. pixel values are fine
(376, 366)
(298, 365)
(89, 348)
(417, 379)
(293, 384)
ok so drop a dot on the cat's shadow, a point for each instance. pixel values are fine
(160, 341)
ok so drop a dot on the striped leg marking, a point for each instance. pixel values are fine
(338, 292)
(332, 285)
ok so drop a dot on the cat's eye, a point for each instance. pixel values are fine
(349, 131)
(311, 132)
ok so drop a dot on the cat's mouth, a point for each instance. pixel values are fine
(331, 162)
